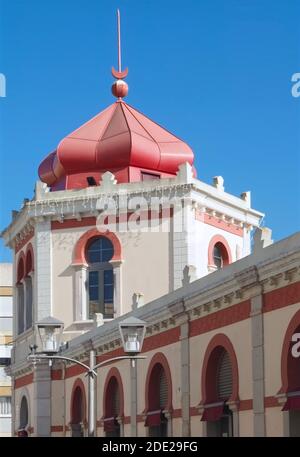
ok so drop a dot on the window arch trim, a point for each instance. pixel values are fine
(21, 267)
(78, 383)
(113, 373)
(226, 252)
(29, 267)
(210, 365)
(158, 359)
(79, 257)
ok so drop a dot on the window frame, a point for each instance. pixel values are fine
(93, 241)
(219, 257)
(100, 268)
(225, 252)
(28, 317)
(21, 307)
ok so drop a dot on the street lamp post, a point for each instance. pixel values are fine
(132, 332)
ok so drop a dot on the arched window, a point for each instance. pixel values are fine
(97, 259)
(219, 385)
(78, 411)
(29, 262)
(112, 408)
(28, 317)
(158, 396)
(21, 308)
(24, 291)
(218, 257)
(219, 417)
(23, 413)
(218, 253)
(28, 287)
(21, 268)
(100, 277)
(20, 295)
(291, 378)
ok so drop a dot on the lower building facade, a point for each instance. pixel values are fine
(219, 361)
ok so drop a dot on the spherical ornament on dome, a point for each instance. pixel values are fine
(119, 88)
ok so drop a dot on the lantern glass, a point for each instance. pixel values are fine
(132, 332)
(50, 332)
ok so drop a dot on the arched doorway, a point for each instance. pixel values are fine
(219, 385)
(158, 397)
(78, 409)
(113, 404)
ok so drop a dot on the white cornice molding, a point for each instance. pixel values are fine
(69, 203)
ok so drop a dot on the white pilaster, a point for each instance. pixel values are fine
(258, 376)
(184, 231)
(246, 241)
(80, 293)
(43, 269)
(118, 309)
(42, 399)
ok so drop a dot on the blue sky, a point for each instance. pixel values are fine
(215, 72)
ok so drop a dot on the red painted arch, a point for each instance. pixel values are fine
(209, 370)
(74, 413)
(79, 257)
(113, 374)
(290, 366)
(21, 267)
(29, 263)
(226, 252)
(158, 361)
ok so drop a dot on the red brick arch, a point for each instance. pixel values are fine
(79, 256)
(209, 370)
(74, 413)
(113, 373)
(21, 267)
(29, 264)
(226, 252)
(158, 360)
(290, 366)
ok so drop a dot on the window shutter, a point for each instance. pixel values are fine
(116, 402)
(163, 390)
(224, 377)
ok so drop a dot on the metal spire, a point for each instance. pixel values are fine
(119, 74)
(119, 41)
(119, 87)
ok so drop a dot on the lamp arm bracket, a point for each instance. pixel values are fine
(122, 357)
(35, 357)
